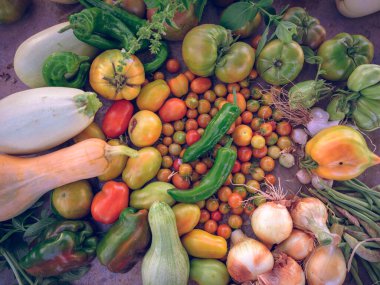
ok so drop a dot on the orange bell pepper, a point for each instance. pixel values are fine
(339, 153)
(199, 243)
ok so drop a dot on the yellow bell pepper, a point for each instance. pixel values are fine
(339, 153)
(199, 243)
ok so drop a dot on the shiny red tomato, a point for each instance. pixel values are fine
(177, 163)
(216, 216)
(116, 119)
(192, 136)
(236, 167)
(180, 182)
(174, 109)
(284, 128)
(244, 153)
(260, 152)
(200, 85)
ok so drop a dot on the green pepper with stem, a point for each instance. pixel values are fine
(214, 131)
(64, 246)
(66, 69)
(212, 181)
(100, 29)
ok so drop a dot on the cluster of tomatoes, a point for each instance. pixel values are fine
(259, 137)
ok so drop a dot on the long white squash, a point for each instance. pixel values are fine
(32, 53)
(39, 119)
(357, 8)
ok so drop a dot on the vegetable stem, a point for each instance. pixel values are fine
(121, 150)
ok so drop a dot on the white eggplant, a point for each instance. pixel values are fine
(356, 8)
(39, 119)
(32, 53)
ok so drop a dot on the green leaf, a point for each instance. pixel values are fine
(36, 229)
(74, 274)
(262, 41)
(199, 8)
(310, 57)
(283, 10)
(264, 3)
(238, 14)
(186, 3)
(152, 3)
(285, 31)
(269, 15)
(8, 235)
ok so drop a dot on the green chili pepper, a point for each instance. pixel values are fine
(100, 29)
(64, 246)
(158, 60)
(215, 130)
(66, 69)
(212, 181)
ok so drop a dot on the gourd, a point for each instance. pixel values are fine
(166, 262)
(24, 180)
(38, 119)
(355, 8)
(32, 53)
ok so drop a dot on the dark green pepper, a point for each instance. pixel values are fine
(158, 60)
(342, 54)
(309, 31)
(64, 246)
(214, 131)
(125, 242)
(212, 181)
(66, 69)
(100, 29)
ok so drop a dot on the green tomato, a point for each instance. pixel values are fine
(208, 272)
(342, 54)
(207, 49)
(280, 63)
(72, 201)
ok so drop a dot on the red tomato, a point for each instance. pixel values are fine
(284, 128)
(205, 216)
(265, 129)
(216, 216)
(179, 85)
(236, 167)
(180, 182)
(224, 231)
(116, 119)
(110, 202)
(240, 100)
(260, 152)
(174, 109)
(244, 153)
(235, 200)
(211, 226)
(192, 137)
(200, 85)
(177, 163)
(173, 65)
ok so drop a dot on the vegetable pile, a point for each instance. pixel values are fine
(136, 156)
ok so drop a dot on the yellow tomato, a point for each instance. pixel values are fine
(242, 135)
(144, 128)
(114, 77)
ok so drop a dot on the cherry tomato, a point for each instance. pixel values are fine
(185, 170)
(208, 161)
(274, 152)
(204, 120)
(176, 164)
(244, 153)
(211, 226)
(201, 204)
(284, 142)
(180, 182)
(244, 83)
(249, 208)
(192, 113)
(258, 141)
(163, 149)
(223, 193)
(242, 135)
(179, 125)
(167, 161)
(191, 124)
(216, 216)
(241, 191)
(213, 111)
(236, 167)
(220, 90)
(267, 163)
(167, 141)
(235, 221)
(175, 149)
(246, 93)
(224, 231)
(179, 137)
(158, 75)
(270, 179)
(212, 204)
(224, 208)
(276, 115)
(265, 129)
(256, 93)
(192, 137)
(233, 86)
(258, 174)
(191, 102)
(242, 104)
(246, 168)
(228, 180)
(253, 186)
(235, 200)
(200, 85)
(204, 106)
(271, 139)
(116, 119)
(267, 99)
(189, 75)
(173, 109)
(260, 152)
(237, 211)
(179, 85)
(167, 129)
(173, 65)
(163, 175)
(238, 178)
(201, 168)
(253, 105)
(231, 129)
(238, 121)
(256, 123)
(246, 117)
(210, 96)
(253, 74)
(284, 128)
(205, 216)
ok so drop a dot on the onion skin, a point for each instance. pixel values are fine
(247, 259)
(286, 271)
(298, 245)
(271, 223)
(326, 265)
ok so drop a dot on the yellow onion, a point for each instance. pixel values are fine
(271, 223)
(310, 214)
(248, 258)
(326, 265)
(286, 271)
(298, 245)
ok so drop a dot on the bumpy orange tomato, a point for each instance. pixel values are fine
(115, 80)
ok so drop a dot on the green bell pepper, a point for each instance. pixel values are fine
(342, 54)
(309, 30)
(280, 63)
(208, 272)
(66, 69)
(64, 246)
(125, 242)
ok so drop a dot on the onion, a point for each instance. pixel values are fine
(310, 214)
(271, 223)
(287, 160)
(303, 176)
(248, 258)
(299, 136)
(286, 271)
(319, 121)
(320, 183)
(298, 245)
(326, 265)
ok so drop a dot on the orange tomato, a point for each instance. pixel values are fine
(144, 128)
(240, 101)
(200, 85)
(242, 135)
(173, 109)
(179, 85)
